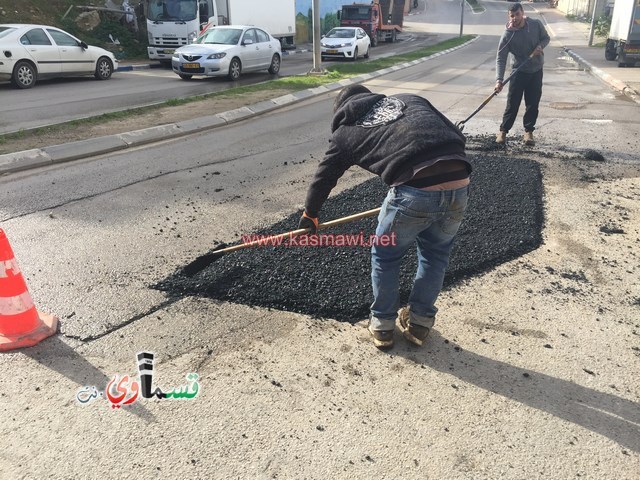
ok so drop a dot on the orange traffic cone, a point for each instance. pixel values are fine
(21, 325)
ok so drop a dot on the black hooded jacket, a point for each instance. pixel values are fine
(384, 135)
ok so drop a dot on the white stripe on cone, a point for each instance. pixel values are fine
(9, 266)
(16, 305)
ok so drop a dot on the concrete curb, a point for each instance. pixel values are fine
(139, 66)
(24, 160)
(293, 52)
(605, 77)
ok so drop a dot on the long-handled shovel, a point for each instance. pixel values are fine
(204, 261)
(460, 124)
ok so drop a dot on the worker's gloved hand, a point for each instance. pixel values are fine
(309, 222)
(537, 51)
(498, 87)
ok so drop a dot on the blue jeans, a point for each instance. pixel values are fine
(430, 219)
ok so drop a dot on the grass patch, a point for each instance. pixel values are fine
(381, 63)
(290, 84)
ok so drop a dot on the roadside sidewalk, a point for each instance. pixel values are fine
(573, 37)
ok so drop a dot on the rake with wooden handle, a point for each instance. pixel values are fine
(204, 261)
(460, 124)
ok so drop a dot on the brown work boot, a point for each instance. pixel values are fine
(501, 138)
(382, 339)
(416, 334)
(528, 139)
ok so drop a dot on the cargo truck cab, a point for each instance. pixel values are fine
(371, 18)
(174, 23)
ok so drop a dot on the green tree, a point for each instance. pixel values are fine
(330, 21)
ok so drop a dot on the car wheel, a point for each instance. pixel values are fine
(24, 75)
(104, 69)
(355, 54)
(235, 68)
(366, 55)
(185, 77)
(275, 64)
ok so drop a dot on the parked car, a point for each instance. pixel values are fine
(228, 51)
(29, 53)
(345, 42)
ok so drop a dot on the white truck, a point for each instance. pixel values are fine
(623, 42)
(174, 23)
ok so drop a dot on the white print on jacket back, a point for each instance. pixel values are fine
(387, 110)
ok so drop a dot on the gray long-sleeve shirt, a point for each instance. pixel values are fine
(520, 43)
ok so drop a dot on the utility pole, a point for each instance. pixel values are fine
(593, 22)
(461, 15)
(317, 60)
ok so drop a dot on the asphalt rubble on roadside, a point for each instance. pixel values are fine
(492, 233)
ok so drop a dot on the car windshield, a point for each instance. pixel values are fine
(341, 33)
(4, 31)
(220, 36)
(172, 10)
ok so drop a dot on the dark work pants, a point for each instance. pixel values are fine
(529, 84)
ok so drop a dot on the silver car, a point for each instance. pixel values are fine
(32, 52)
(228, 51)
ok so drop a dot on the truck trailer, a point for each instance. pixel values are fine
(278, 17)
(174, 23)
(381, 19)
(623, 42)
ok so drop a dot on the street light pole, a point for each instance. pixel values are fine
(461, 15)
(317, 60)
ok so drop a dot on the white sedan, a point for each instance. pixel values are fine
(345, 42)
(228, 51)
(32, 52)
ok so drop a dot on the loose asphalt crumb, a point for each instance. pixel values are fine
(503, 221)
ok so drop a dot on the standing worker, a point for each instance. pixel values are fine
(523, 37)
(420, 154)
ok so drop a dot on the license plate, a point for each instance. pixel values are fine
(191, 65)
(168, 52)
(332, 51)
(632, 50)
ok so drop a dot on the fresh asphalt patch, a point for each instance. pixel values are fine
(503, 221)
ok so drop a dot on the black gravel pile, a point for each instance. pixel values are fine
(503, 221)
(487, 143)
